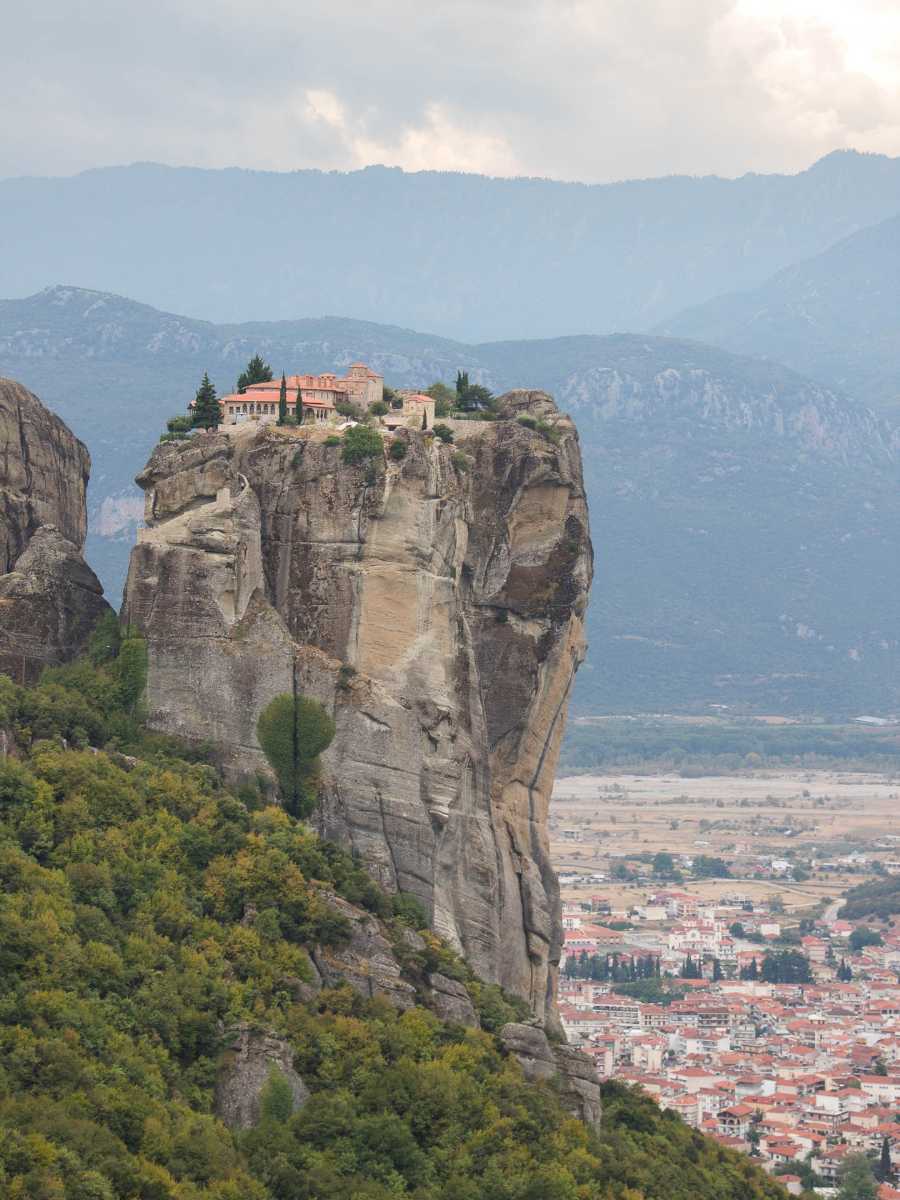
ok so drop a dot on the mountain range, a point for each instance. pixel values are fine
(746, 518)
(835, 316)
(474, 257)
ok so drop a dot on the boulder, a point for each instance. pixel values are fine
(574, 1072)
(244, 1072)
(451, 1001)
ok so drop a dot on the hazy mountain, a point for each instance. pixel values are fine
(746, 520)
(835, 316)
(472, 256)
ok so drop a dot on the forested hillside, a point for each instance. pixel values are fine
(148, 913)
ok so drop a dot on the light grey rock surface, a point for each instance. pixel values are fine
(367, 962)
(433, 605)
(451, 1001)
(540, 1060)
(50, 599)
(244, 1073)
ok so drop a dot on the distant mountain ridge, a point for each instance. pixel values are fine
(746, 519)
(472, 256)
(835, 317)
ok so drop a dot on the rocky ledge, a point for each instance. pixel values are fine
(433, 603)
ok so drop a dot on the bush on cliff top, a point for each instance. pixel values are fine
(145, 910)
(361, 442)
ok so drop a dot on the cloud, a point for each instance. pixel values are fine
(576, 89)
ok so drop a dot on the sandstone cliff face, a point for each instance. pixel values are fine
(49, 598)
(434, 605)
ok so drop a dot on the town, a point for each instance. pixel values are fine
(722, 977)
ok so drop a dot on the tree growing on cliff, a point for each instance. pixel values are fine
(293, 731)
(282, 401)
(207, 414)
(256, 371)
(361, 442)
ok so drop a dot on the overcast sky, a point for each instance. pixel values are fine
(572, 89)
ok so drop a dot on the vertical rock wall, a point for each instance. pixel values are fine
(434, 605)
(50, 600)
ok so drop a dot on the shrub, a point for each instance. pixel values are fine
(444, 432)
(361, 443)
(293, 732)
(174, 437)
(346, 409)
(397, 451)
(408, 909)
(378, 408)
(180, 424)
(460, 461)
(332, 440)
(528, 422)
(346, 674)
(444, 398)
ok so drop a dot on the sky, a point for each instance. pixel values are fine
(594, 90)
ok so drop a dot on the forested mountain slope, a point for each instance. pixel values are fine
(472, 256)
(835, 317)
(181, 1016)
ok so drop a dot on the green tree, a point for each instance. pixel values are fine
(256, 371)
(663, 863)
(885, 1170)
(736, 929)
(298, 406)
(131, 668)
(276, 1100)
(786, 966)
(207, 412)
(476, 398)
(444, 398)
(282, 401)
(293, 732)
(862, 937)
(443, 432)
(462, 383)
(856, 1179)
(716, 971)
(361, 442)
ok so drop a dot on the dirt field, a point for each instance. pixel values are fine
(595, 816)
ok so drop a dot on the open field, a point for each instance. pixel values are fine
(829, 814)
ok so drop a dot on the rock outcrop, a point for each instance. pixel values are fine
(434, 604)
(245, 1070)
(366, 962)
(50, 599)
(573, 1071)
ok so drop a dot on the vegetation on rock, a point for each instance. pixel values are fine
(207, 412)
(293, 731)
(256, 371)
(361, 442)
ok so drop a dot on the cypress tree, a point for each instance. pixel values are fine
(206, 413)
(298, 406)
(282, 401)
